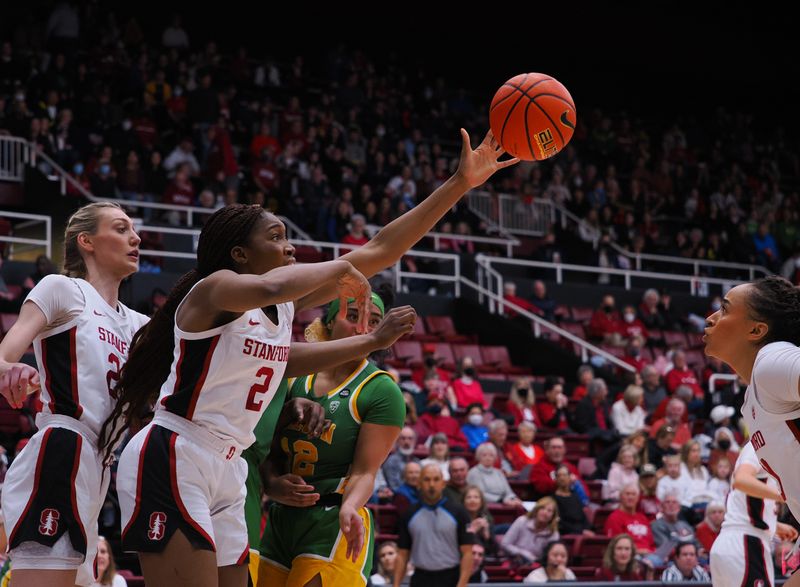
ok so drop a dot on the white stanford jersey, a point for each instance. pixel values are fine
(745, 513)
(79, 361)
(776, 437)
(224, 378)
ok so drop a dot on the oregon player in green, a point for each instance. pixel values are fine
(334, 539)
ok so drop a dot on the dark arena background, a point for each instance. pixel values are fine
(556, 280)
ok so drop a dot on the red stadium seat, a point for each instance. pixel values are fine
(421, 334)
(600, 516)
(675, 339)
(444, 352)
(590, 551)
(408, 351)
(595, 490)
(497, 355)
(443, 326)
(504, 514)
(582, 314)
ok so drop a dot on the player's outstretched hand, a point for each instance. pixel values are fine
(17, 380)
(478, 165)
(396, 323)
(353, 284)
(353, 530)
(786, 532)
(292, 490)
(310, 415)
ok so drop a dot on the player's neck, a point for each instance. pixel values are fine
(339, 374)
(107, 286)
(743, 363)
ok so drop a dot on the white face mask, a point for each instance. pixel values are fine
(629, 317)
(475, 419)
(405, 451)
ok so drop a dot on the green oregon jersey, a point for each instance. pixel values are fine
(367, 395)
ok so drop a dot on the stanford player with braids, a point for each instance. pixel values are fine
(756, 332)
(81, 333)
(213, 357)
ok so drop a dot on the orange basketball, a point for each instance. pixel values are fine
(532, 116)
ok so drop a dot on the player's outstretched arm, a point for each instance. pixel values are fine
(18, 379)
(313, 357)
(386, 247)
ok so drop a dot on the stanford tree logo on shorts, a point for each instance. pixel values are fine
(157, 522)
(48, 522)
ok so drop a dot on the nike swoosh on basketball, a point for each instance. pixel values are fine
(253, 323)
(565, 121)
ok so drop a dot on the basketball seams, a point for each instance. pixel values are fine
(527, 131)
(553, 122)
(508, 115)
(557, 97)
(504, 98)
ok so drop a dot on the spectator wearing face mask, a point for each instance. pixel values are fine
(466, 389)
(474, 429)
(430, 367)
(631, 325)
(606, 323)
(633, 353)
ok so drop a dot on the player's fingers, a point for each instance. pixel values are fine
(342, 306)
(507, 163)
(489, 138)
(466, 145)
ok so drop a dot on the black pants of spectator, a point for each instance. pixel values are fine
(443, 578)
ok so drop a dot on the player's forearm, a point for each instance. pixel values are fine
(754, 487)
(465, 570)
(359, 489)
(400, 567)
(307, 358)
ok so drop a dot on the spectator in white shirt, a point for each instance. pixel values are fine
(627, 413)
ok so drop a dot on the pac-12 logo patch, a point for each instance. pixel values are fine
(333, 406)
(48, 522)
(158, 521)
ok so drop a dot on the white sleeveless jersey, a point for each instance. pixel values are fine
(224, 378)
(776, 437)
(748, 514)
(79, 361)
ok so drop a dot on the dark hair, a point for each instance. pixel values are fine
(776, 301)
(151, 350)
(548, 548)
(550, 382)
(475, 405)
(681, 545)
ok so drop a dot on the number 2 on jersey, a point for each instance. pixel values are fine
(112, 375)
(252, 404)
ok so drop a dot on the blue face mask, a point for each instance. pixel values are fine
(78, 168)
(105, 169)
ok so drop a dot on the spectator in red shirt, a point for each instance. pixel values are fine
(522, 402)
(553, 412)
(585, 375)
(436, 419)
(264, 139)
(525, 452)
(465, 389)
(674, 419)
(265, 172)
(627, 520)
(606, 323)
(429, 367)
(543, 475)
(633, 354)
(631, 325)
(708, 530)
(681, 374)
(357, 235)
(510, 294)
(180, 191)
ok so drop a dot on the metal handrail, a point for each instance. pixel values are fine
(694, 281)
(540, 323)
(638, 257)
(46, 242)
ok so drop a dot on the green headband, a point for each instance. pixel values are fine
(333, 309)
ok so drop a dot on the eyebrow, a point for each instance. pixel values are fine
(726, 302)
